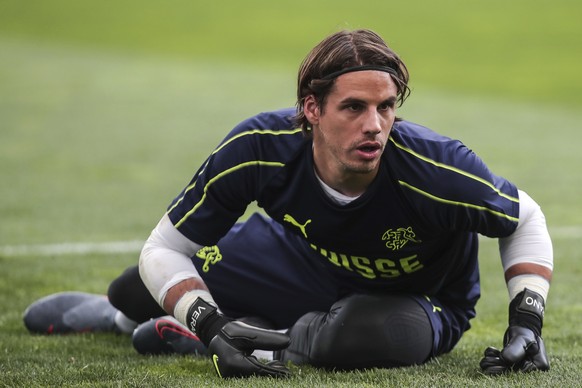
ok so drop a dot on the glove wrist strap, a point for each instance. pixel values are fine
(527, 310)
(204, 320)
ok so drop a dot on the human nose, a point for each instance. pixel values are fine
(372, 122)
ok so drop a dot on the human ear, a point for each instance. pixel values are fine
(311, 109)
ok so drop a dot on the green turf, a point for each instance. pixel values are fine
(107, 109)
(519, 48)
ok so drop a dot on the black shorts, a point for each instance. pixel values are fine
(264, 271)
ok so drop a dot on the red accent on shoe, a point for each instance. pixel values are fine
(163, 325)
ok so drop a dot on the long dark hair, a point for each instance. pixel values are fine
(339, 51)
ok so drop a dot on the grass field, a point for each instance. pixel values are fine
(107, 110)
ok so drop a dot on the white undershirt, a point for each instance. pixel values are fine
(529, 243)
(334, 195)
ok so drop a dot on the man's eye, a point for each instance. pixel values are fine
(354, 107)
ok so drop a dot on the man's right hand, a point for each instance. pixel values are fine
(231, 343)
(231, 351)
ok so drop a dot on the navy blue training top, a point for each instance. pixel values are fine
(413, 230)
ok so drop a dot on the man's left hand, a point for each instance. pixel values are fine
(523, 347)
(523, 351)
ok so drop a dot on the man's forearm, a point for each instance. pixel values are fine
(176, 292)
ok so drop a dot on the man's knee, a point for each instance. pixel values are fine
(366, 331)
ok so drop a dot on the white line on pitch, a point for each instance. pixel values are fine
(81, 248)
(134, 246)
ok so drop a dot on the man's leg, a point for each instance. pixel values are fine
(363, 331)
(255, 273)
(266, 272)
(128, 303)
(71, 312)
(129, 295)
(157, 333)
(80, 312)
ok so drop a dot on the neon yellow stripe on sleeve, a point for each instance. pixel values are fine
(246, 133)
(456, 203)
(257, 131)
(456, 170)
(222, 175)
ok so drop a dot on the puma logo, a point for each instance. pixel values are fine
(294, 222)
(435, 309)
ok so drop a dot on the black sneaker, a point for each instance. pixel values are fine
(166, 335)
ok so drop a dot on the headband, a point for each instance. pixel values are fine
(385, 69)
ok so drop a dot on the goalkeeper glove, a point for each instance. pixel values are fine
(231, 343)
(523, 347)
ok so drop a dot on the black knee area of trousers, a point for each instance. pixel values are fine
(363, 331)
(129, 295)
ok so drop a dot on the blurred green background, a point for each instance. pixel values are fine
(524, 49)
